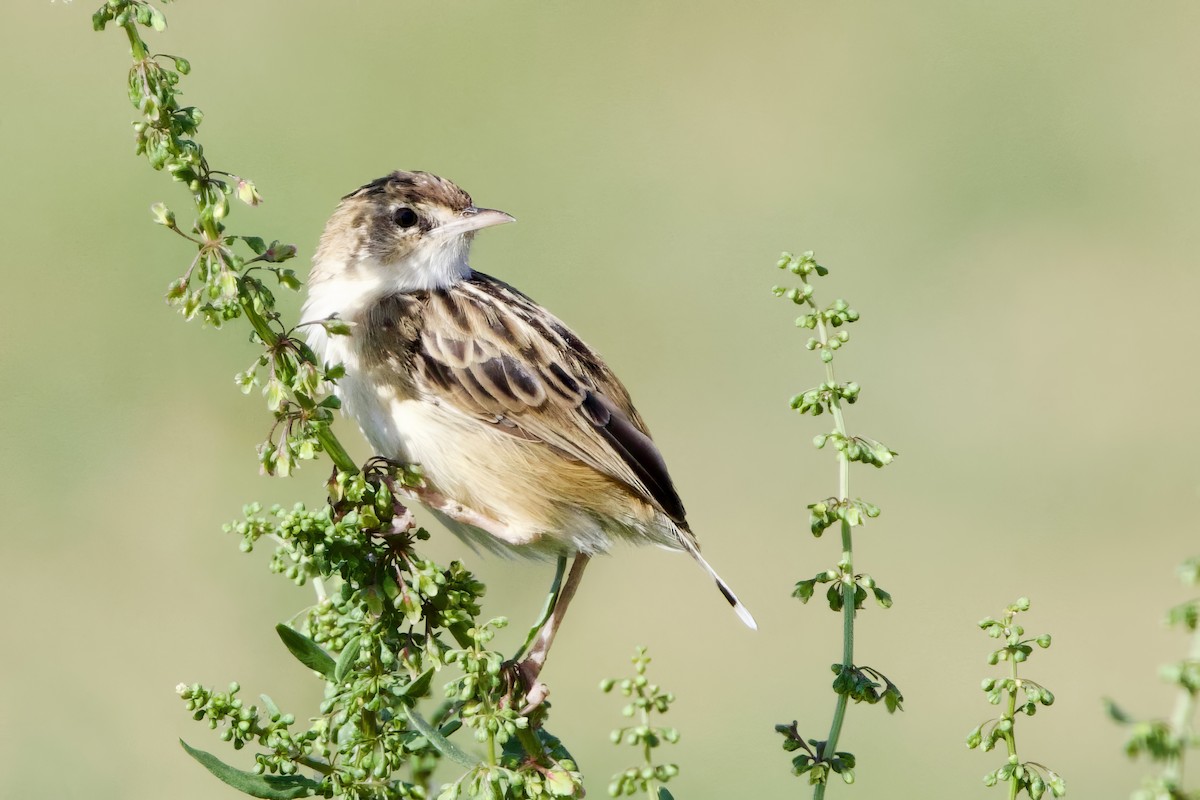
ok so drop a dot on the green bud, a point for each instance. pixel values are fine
(279, 252)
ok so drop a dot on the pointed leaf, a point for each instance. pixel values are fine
(447, 748)
(256, 244)
(306, 651)
(346, 660)
(1117, 713)
(268, 787)
(419, 686)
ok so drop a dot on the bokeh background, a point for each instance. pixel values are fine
(1008, 192)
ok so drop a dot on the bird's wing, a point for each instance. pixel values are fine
(489, 351)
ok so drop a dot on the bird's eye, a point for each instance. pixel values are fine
(405, 217)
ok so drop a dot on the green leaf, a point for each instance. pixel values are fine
(1117, 713)
(306, 651)
(269, 787)
(256, 244)
(288, 279)
(336, 327)
(419, 685)
(444, 745)
(663, 794)
(346, 660)
(804, 590)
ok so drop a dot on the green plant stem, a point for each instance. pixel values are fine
(329, 442)
(531, 744)
(651, 793)
(136, 45)
(1010, 739)
(847, 564)
(489, 708)
(337, 453)
(560, 570)
(1185, 708)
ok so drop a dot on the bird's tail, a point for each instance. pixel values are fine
(743, 613)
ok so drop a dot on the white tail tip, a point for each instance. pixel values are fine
(743, 613)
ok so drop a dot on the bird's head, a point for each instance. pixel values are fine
(405, 231)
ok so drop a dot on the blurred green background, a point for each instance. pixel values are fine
(1007, 192)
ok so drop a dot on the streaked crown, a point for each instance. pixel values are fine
(409, 230)
(415, 188)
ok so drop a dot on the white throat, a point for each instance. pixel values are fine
(346, 287)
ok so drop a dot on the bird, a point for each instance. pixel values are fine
(527, 442)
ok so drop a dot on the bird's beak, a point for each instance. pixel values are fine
(474, 219)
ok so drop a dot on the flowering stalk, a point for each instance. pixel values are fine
(847, 589)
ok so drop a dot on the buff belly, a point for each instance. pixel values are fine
(547, 504)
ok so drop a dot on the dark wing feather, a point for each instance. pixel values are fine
(491, 352)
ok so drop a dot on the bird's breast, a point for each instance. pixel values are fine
(379, 399)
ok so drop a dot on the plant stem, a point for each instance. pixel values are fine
(341, 459)
(1185, 707)
(329, 442)
(488, 709)
(847, 563)
(650, 791)
(1014, 783)
(560, 570)
(136, 45)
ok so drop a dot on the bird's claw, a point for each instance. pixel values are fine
(522, 677)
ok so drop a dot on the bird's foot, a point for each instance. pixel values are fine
(524, 686)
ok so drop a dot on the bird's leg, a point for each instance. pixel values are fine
(530, 667)
(537, 647)
(459, 513)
